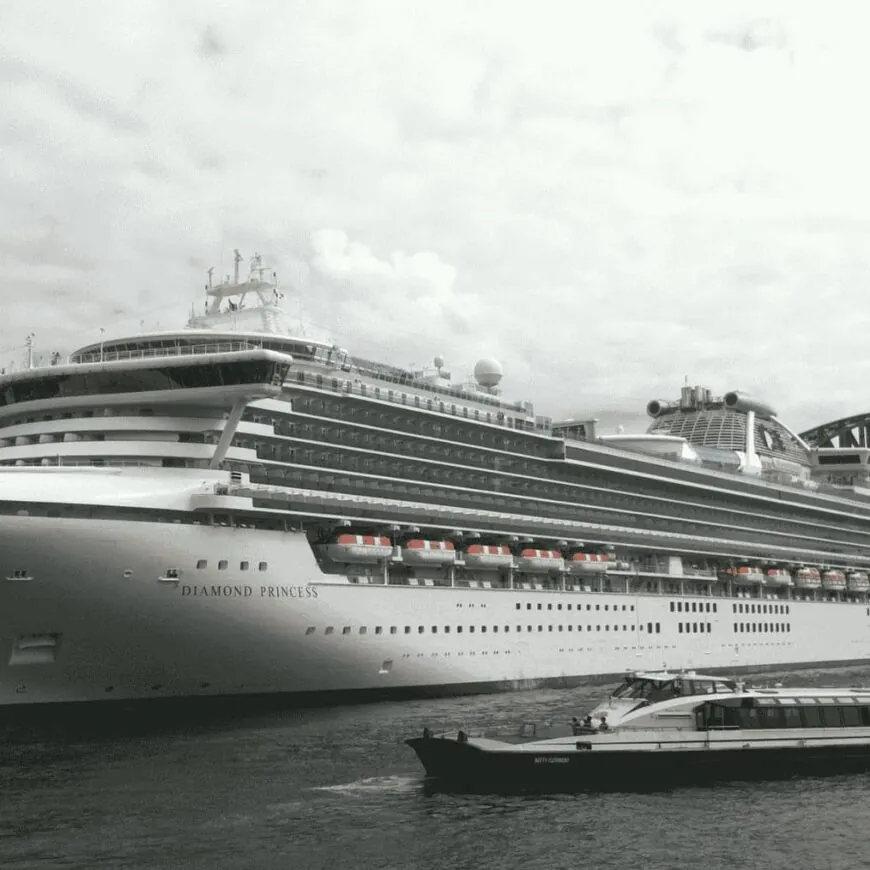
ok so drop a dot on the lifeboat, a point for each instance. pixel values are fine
(488, 556)
(420, 552)
(778, 577)
(833, 581)
(748, 575)
(857, 581)
(588, 563)
(807, 578)
(359, 549)
(540, 561)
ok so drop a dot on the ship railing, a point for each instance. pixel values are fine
(198, 349)
(452, 404)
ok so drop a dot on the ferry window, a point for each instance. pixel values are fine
(598, 607)
(680, 606)
(483, 628)
(749, 717)
(812, 717)
(243, 566)
(598, 628)
(363, 630)
(708, 628)
(851, 716)
(407, 629)
(378, 629)
(202, 563)
(459, 629)
(830, 716)
(679, 628)
(420, 629)
(549, 607)
(393, 629)
(495, 628)
(770, 717)
(264, 566)
(434, 629)
(310, 630)
(507, 628)
(222, 565)
(540, 628)
(471, 629)
(865, 715)
(519, 605)
(345, 629)
(558, 607)
(570, 628)
(607, 607)
(631, 608)
(695, 627)
(672, 607)
(540, 607)
(649, 627)
(658, 628)
(528, 607)
(328, 630)
(570, 607)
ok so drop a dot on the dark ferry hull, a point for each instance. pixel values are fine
(451, 765)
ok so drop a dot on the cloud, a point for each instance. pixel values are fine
(606, 198)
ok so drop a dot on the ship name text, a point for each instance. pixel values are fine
(217, 591)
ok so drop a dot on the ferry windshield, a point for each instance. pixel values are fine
(654, 690)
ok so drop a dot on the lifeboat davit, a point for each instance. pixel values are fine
(857, 581)
(834, 581)
(778, 577)
(748, 575)
(540, 561)
(488, 556)
(588, 563)
(422, 552)
(807, 578)
(359, 549)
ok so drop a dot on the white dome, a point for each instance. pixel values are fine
(488, 372)
(439, 362)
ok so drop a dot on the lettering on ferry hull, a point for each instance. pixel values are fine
(248, 592)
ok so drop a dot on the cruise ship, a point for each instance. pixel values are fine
(236, 508)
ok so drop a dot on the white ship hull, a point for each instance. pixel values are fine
(95, 618)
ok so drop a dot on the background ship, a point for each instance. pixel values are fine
(239, 508)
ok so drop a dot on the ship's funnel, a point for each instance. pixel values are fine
(738, 401)
(657, 407)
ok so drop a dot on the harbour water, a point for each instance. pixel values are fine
(337, 788)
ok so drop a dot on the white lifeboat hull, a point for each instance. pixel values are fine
(540, 562)
(588, 563)
(807, 580)
(749, 578)
(779, 577)
(359, 549)
(429, 553)
(858, 582)
(834, 581)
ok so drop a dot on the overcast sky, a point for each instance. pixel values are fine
(607, 197)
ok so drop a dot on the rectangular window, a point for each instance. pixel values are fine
(329, 629)
(202, 563)
(658, 628)
(243, 566)
(264, 566)
(222, 565)
(345, 629)
(310, 630)
(378, 629)
(851, 716)
(812, 717)
(649, 627)
(393, 629)
(407, 629)
(679, 628)
(363, 630)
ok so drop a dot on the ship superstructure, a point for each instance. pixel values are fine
(241, 507)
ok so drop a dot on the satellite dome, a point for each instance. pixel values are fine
(488, 372)
(439, 362)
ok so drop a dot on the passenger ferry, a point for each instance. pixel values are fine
(661, 728)
(239, 508)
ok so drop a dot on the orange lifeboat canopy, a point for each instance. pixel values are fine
(359, 549)
(807, 578)
(540, 561)
(488, 556)
(834, 580)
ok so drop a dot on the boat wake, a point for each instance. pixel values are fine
(369, 784)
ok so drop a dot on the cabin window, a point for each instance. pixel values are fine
(202, 563)
(310, 630)
(407, 629)
(328, 630)
(393, 629)
(851, 716)
(812, 717)
(263, 566)
(243, 566)
(345, 629)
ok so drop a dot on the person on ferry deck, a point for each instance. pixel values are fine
(602, 725)
(575, 725)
